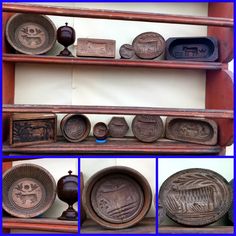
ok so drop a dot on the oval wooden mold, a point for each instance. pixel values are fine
(193, 130)
(148, 45)
(30, 33)
(196, 197)
(118, 127)
(192, 49)
(117, 197)
(28, 190)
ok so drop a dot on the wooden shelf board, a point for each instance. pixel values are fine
(116, 110)
(44, 224)
(146, 226)
(115, 145)
(162, 64)
(118, 15)
(196, 230)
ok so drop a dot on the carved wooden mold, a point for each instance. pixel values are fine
(196, 196)
(117, 197)
(118, 127)
(231, 210)
(192, 49)
(149, 45)
(75, 127)
(193, 130)
(161, 212)
(100, 131)
(88, 47)
(147, 128)
(28, 190)
(126, 51)
(29, 129)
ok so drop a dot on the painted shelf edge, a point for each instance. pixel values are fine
(161, 64)
(44, 224)
(115, 110)
(115, 145)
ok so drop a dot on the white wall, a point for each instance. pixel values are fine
(146, 166)
(169, 166)
(87, 85)
(58, 167)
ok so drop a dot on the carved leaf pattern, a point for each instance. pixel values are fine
(192, 180)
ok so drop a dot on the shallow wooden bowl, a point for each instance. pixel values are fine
(30, 33)
(117, 197)
(28, 190)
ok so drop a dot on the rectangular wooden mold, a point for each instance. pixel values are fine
(30, 129)
(193, 130)
(88, 47)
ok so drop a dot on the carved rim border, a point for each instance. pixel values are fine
(86, 201)
(47, 205)
(209, 221)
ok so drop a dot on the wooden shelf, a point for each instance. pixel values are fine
(42, 224)
(118, 15)
(196, 230)
(126, 145)
(146, 226)
(117, 110)
(161, 64)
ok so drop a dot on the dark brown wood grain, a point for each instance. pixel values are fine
(118, 127)
(113, 62)
(116, 145)
(67, 191)
(119, 15)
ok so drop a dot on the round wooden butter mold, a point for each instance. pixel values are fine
(117, 197)
(147, 128)
(30, 33)
(28, 190)
(75, 127)
(196, 197)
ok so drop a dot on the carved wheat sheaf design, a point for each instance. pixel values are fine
(193, 194)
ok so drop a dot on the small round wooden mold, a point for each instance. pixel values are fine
(75, 127)
(196, 197)
(117, 197)
(100, 131)
(28, 190)
(147, 128)
(30, 33)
